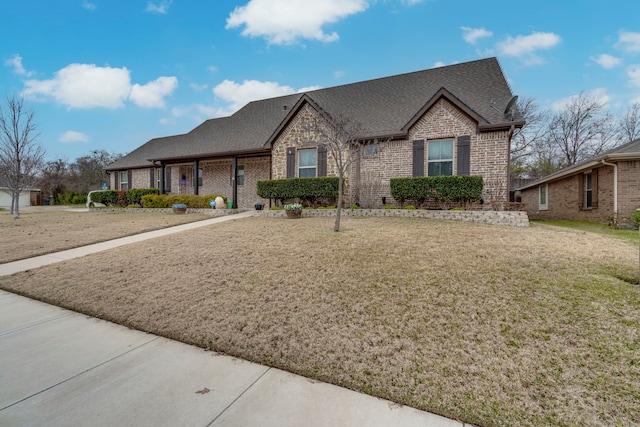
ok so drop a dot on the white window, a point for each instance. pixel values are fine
(440, 157)
(307, 163)
(543, 199)
(240, 175)
(124, 180)
(588, 190)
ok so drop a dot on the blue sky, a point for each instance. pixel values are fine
(112, 74)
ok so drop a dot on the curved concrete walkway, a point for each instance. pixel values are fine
(61, 368)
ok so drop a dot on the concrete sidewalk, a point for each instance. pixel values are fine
(61, 368)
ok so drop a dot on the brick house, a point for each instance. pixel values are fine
(452, 120)
(603, 189)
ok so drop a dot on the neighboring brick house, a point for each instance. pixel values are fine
(454, 120)
(603, 189)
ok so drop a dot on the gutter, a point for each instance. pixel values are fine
(615, 187)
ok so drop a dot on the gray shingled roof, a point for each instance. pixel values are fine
(383, 106)
(630, 151)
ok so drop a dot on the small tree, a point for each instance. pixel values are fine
(342, 137)
(20, 156)
(629, 124)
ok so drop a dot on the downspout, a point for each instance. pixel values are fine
(509, 136)
(615, 188)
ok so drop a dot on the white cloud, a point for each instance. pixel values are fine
(338, 74)
(83, 86)
(238, 95)
(16, 63)
(153, 93)
(89, 86)
(633, 71)
(628, 41)
(71, 136)
(606, 61)
(197, 87)
(524, 47)
(308, 89)
(162, 7)
(599, 94)
(89, 6)
(287, 21)
(212, 68)
(411, 2)
(198, 112)
(438, 64)
(472, 35)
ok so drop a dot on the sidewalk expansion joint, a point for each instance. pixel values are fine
(80, 373)
(237, 398)
(36, 323)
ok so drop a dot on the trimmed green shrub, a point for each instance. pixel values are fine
(305, 189)
(441, 189)
(389, 207)
(635, 218)
(355, 207)
(410, 207)
(275, 208)
(135, 194)
(79, 199)
(106, 197)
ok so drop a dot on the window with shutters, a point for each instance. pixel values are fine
(543, 203)
(440, 157)
(307, 163)
(240, 175)
(199, 177)
(124, 180)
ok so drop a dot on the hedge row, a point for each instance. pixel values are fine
(441, 189)
(307, 189)
(167, 201)
(122, 198)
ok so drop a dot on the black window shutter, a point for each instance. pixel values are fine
(464, 155)
(291, 162)
(129, 180)
(167, 180)
(151, 180)
(581, 190)
(117, 180)
(418, 157)
(594, 188)
(322, 160)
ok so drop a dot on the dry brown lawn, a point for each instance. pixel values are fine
(46, 231)
(494, 326)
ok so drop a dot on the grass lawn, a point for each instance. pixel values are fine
(45, 231)
(495, 326)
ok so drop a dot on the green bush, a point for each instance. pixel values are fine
(106, 197)
(305, 189)
(389, 207)
(635, 218)
(410, 207)
(441, 189)
(79, 199)
(355, 207)
(135, 194)
(275, 208)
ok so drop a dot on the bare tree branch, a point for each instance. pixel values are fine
(629, 124)
(20, 156)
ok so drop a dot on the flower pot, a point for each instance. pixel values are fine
(294, 214)
(180, 211)
(258, 206)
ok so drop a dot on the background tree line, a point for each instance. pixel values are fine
(580, 128)
(64, 182)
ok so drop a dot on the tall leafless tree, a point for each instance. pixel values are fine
(526, 138)
(20, 156)
(582, 128)
(629, 124)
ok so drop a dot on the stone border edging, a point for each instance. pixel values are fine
(503, 218)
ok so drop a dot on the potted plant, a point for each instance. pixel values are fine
(179, 208)
(259, 205)
(293, 210)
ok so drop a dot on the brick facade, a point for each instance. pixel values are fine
(368, 179)
(564, 199)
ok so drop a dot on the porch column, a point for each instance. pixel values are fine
(162, 174)
(195, 177)
(234, 182)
